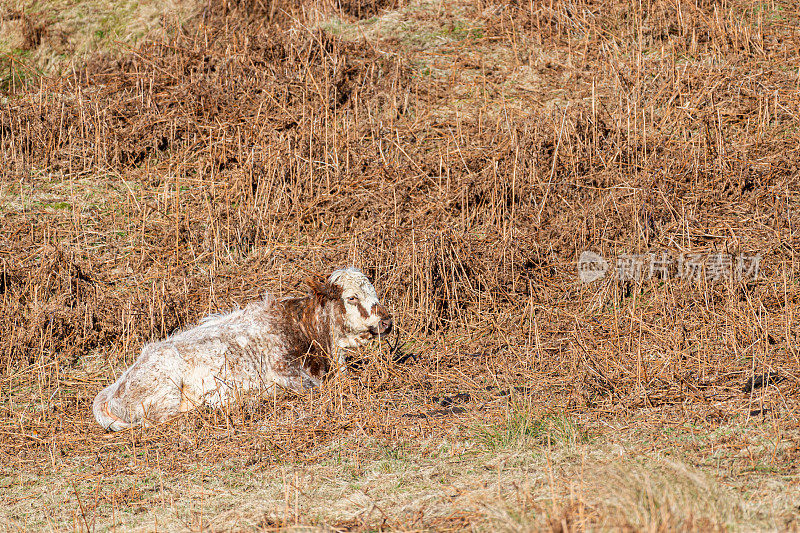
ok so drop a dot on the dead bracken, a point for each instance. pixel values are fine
(463, 155)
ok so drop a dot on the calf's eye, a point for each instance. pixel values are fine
(352, 299)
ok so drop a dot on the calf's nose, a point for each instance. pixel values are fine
(386, 325)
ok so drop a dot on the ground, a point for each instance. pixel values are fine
(160, 161)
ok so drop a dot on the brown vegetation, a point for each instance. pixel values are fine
(463, 155)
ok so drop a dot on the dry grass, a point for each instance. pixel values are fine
(463, 155)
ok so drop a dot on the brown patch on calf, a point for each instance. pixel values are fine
(380, 310)
(308, 333)
(362, 311)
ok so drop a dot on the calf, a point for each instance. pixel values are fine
(291, 343)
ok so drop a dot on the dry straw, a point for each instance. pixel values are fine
(464, 169)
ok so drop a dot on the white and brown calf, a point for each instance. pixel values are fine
(291, 343)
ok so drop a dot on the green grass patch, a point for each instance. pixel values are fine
(524, 427)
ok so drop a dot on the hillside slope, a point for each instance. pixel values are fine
(464, 155)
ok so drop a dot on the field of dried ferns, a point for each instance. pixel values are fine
(464, 155)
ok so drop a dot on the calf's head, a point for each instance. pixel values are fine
(359, 314)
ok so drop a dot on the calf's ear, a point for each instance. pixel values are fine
(317, 285)
(322, 288)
